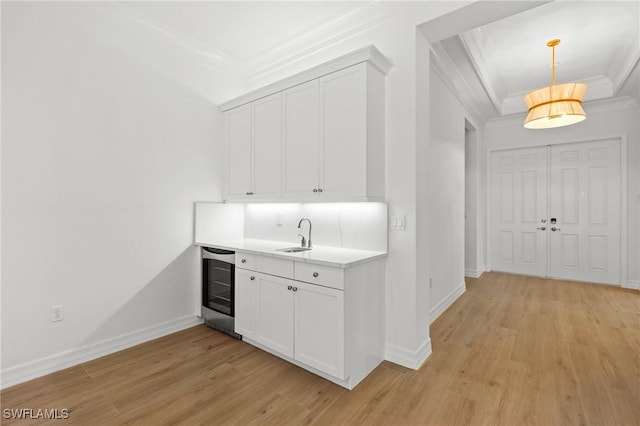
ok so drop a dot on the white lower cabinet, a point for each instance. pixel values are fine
(246, 289)
(319, 328)
(332, 332)
(275, 313)
(301, 321)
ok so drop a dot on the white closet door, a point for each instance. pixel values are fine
(518, 208)
(585, 203)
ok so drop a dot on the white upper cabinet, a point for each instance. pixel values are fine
(267, 146)
(352, 134)
(237, 125)
(300, 142)
(316, 136)
(253, 137)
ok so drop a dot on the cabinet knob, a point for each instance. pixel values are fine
(315, 275)
(244, 261)
(247, 193)
(295, 289)
(319, 189)
(315, 190)
(252, 278)
(289, 287)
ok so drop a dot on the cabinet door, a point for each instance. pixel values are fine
(275, 314)
(267, 146)
(246, 296)
(319, 328)
(343, 158)
(301, 109)
(238, 137)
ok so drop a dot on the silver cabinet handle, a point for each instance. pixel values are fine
(542, 228)
(315, 274)
(553, 228)
(295, 289)
(244, 261)
(252, 278)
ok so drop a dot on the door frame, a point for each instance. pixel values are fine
(624, 194)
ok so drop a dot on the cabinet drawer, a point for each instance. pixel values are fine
(318, 274)
(245, 261)
(273, 266)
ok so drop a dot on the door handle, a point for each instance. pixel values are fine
(553, 228)
(542, 228)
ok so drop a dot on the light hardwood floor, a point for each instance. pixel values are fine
(512, 350)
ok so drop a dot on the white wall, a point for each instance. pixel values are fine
(103, 155)
(618, 118)
(443, 211)
(407, 306)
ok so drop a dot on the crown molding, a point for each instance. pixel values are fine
(476, 102)
(473, 41)
(354, 21)
(359, 18)
(631, 62)
(368, 54)
(166, 38)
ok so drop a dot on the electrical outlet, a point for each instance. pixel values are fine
(57, 313)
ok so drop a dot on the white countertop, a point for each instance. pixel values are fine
(321, 255)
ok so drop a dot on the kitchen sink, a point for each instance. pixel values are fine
(293, 249)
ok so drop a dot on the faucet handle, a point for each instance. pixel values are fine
(303, 242)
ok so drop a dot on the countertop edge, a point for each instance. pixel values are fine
(296, 257)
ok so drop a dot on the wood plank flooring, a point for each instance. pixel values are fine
(513, 350)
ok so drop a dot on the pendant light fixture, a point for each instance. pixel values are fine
(557, 105)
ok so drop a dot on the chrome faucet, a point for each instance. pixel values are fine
(305, 242)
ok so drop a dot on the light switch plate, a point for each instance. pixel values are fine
(398, 223)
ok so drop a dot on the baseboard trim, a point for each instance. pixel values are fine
(412, 359)
(444, 304)
(632, 284)
(474, 273)
(40, 367)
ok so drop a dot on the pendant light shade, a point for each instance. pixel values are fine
(556, 105)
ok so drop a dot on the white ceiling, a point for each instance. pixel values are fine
(507, 58)
(600, 45)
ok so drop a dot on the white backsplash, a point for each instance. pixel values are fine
(348, 225)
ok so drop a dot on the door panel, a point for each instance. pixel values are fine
(275, 313)
(585, 201)
(343, 139)
(238, 136)
(246, 294)
(319, 329)
(301, 109)
(518, 206)
(267, 146)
